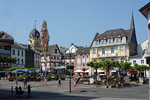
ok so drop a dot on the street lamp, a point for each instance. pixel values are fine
(70, 74)
(16, 76)
(70, 51)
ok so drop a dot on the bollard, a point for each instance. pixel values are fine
(12, 90)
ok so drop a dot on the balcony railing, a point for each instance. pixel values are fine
(109, 55)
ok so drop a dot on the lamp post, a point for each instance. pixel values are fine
(16, 76)
(70, 75)
(70, 51)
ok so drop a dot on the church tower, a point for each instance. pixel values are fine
(132, 38)
(34, 39)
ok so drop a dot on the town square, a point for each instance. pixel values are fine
(75, 49)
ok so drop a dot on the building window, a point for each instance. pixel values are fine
(94, 51)
(83, 56)
(18, 61)
(134, 61)
(22, 53)
(18, 53)
(13, 52)
(103, 41)
(122, 59)
(87, 56)
(83, 64)
(112, 50)
(97, 42)
(56, 51)
(97, 51)
(103, 50)
(126, 48)
(118, 39)
(111, 40)
(22, 61)
(78, 56)
(142, 61)
(121, 48)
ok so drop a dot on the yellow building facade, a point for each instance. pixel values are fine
(115, 45)
(119, 52)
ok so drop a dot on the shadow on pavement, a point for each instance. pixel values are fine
(36, 95)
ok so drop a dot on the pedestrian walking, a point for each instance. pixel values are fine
(25, 83)
(59, 83)
(29, 90)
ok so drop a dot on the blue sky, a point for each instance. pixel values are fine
(71, 21)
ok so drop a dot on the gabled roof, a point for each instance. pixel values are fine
(52, 47)
(17, 45)
(83, 50)
(136, 56)
(67, 56)
(4, 35)
(112, 34)
(144, 9)
(96, 35)
(6, 39)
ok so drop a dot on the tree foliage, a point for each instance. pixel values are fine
(63, 49)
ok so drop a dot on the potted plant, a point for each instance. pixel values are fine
(11, 79)
(20, 78)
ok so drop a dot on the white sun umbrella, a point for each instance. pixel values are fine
(78, 71)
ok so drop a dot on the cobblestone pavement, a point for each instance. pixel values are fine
(81, 92)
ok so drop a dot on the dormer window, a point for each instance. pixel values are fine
(97, 42)
(119, 38)
(111, 40)
(103, 41)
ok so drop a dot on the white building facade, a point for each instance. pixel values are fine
(140, 58)
(18, 52)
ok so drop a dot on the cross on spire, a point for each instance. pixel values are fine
(35, 24)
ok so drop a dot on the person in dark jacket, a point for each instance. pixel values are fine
(59, 83)
(29, 90)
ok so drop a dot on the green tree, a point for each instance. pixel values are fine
(145, 67)
(138, 68)
(141, 68)
(13, 60)
(95, 65)
(118, 65)
(108, 65)
(127, 67)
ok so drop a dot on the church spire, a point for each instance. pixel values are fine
(132, 26)
(35, 24)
